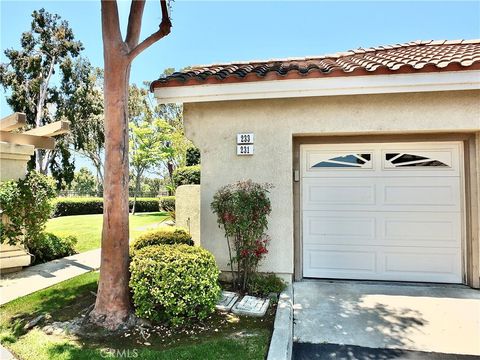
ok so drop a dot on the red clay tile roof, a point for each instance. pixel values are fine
(412, 57)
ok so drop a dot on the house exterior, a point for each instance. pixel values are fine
(374, 155)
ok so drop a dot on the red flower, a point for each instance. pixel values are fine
(228, 217)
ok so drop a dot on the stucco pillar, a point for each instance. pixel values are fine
(187, 210)
(13, 160)
(13, 166)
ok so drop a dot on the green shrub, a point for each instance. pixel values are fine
(187, 175)
(27, 204)
(264, 284)
(242, 210)
(193, 156)
(48, 247)
(174, 283)
(77, 206)
(145, 204)
(164, 236)
(167, 203)
(85, 206)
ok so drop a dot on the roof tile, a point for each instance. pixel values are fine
(415, 56)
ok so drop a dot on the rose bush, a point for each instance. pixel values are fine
(242, 210)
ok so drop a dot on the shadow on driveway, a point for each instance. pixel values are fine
(424, 318)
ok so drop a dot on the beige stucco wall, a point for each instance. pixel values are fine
(213, 128)
(187, 210)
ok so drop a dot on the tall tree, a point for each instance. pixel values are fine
(112, 305)
(142, 107)
(87, 134)
(48, 48)
(149, 145)
(173, 114)
(84, 182)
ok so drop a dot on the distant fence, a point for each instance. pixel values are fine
(71, 193)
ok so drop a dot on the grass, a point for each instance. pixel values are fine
(88, 228)
(221, 336)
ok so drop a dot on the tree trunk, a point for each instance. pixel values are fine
(112, 306)
(98, 166)
(39, 153)
(138, 179)
(170, 169)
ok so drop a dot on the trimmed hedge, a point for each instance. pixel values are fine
(85, 206)
(174, 283)
(145, 204)
(187, 175)
(77, 206)
(167, 203)
(47, 247)
(164, 236)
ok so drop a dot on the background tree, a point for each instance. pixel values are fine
(48, 48)
(112, 305)
(153, 185)
(148, 147)
(84, 182)
(143, 107)
(173, 114)
(85, 105)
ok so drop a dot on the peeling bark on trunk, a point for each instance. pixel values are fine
(113, 303)
(112, 306)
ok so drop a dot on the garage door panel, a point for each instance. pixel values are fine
(382, 194)
(386, 263)
(421, 192)
(339, 228)
(329, 262)
(385, 160)
(421, 229)
(382, 211)
(426, 261)
(344, 192)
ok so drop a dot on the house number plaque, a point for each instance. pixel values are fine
(245, 144)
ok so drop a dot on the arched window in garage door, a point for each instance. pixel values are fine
(402, 159)
(355, 160)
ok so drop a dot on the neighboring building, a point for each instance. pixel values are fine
(374, 154)
(16, 150)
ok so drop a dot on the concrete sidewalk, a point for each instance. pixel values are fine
(41, 276)
(5, 354)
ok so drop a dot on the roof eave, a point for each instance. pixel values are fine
(322, 86)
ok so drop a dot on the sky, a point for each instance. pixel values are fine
(224, 31)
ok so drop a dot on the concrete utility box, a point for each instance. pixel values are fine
(187, 210)
(13, 166)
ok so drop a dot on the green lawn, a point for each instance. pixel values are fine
(219, 337)
(88, 228)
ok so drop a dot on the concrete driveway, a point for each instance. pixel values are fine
(443, 319)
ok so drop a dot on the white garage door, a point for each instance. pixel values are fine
(384, 211)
